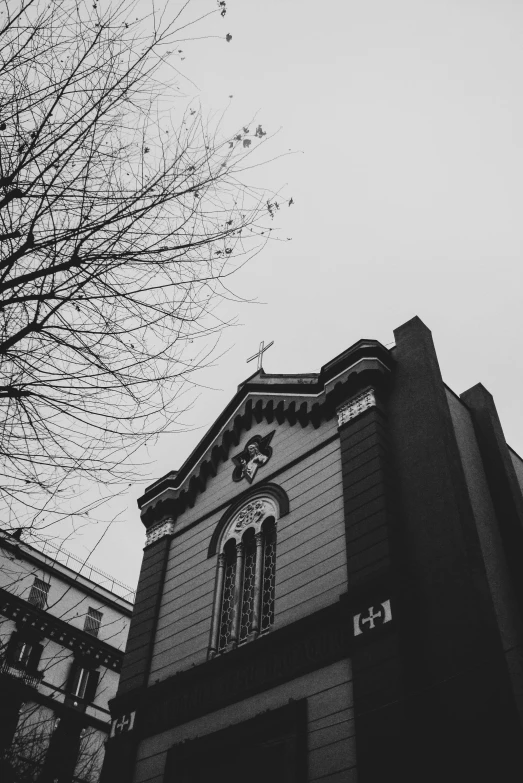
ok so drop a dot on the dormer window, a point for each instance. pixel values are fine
(244, 597)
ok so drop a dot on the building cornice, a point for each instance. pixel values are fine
(24, 551)
(43, 623)
(285, 653)
(304, 646)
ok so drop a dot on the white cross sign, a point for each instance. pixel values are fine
(124, 723)
(366, 621)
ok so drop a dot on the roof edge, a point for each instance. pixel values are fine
(277, 385)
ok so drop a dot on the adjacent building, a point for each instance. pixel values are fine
(63, 629)
(332, 587)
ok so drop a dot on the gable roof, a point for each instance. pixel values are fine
(308, 398)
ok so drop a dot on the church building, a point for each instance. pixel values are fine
(332, 587)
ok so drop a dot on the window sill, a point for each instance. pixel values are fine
(234, 645)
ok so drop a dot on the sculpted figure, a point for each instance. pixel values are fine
(254, 455)
(256, 458)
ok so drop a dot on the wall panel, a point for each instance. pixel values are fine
(330, 722)
(311, 554)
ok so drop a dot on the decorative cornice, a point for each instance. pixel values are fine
(158, 531)
(284, 654)
(39, 621)
(32, 555)
(356, 406)
(300, 400)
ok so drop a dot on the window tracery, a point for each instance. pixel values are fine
(245, 582)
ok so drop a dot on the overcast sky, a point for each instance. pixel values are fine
(406, 123)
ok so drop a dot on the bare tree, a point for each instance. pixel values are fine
(24, 760)
(117, 227)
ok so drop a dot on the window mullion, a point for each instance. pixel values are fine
(218, 599)
(237, 608)
(258, 579)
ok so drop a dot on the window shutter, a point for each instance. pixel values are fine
(38, 594)
(34, 657)
(72, 679)
(92, 684)
(11, 648)
(93, 621)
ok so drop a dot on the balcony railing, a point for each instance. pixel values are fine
(28, 678)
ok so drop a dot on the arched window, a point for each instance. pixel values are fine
(244, 597)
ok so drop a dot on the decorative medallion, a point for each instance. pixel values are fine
(252, 513)
(255, 454)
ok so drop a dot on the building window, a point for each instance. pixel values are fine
(38, 594)
(83, 682)
(244, 597)
(93, 621)
(80, 684)
(23, 653)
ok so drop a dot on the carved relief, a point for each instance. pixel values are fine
(356, 406)
(156, 532)
(256, 453)
(251, 515)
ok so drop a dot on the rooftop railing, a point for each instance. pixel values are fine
(83, 568)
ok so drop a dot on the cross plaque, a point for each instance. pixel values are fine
(370, 619)
(123, 724)
(373, 617)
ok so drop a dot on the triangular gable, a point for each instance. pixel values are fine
(304, 400)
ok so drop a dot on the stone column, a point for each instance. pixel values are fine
(215, 627)
(238, 584)
(258, 583)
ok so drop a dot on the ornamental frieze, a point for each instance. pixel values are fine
(46, 625)
(250, 669)
(356, 406)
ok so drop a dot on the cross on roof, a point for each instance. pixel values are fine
(259, 354)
